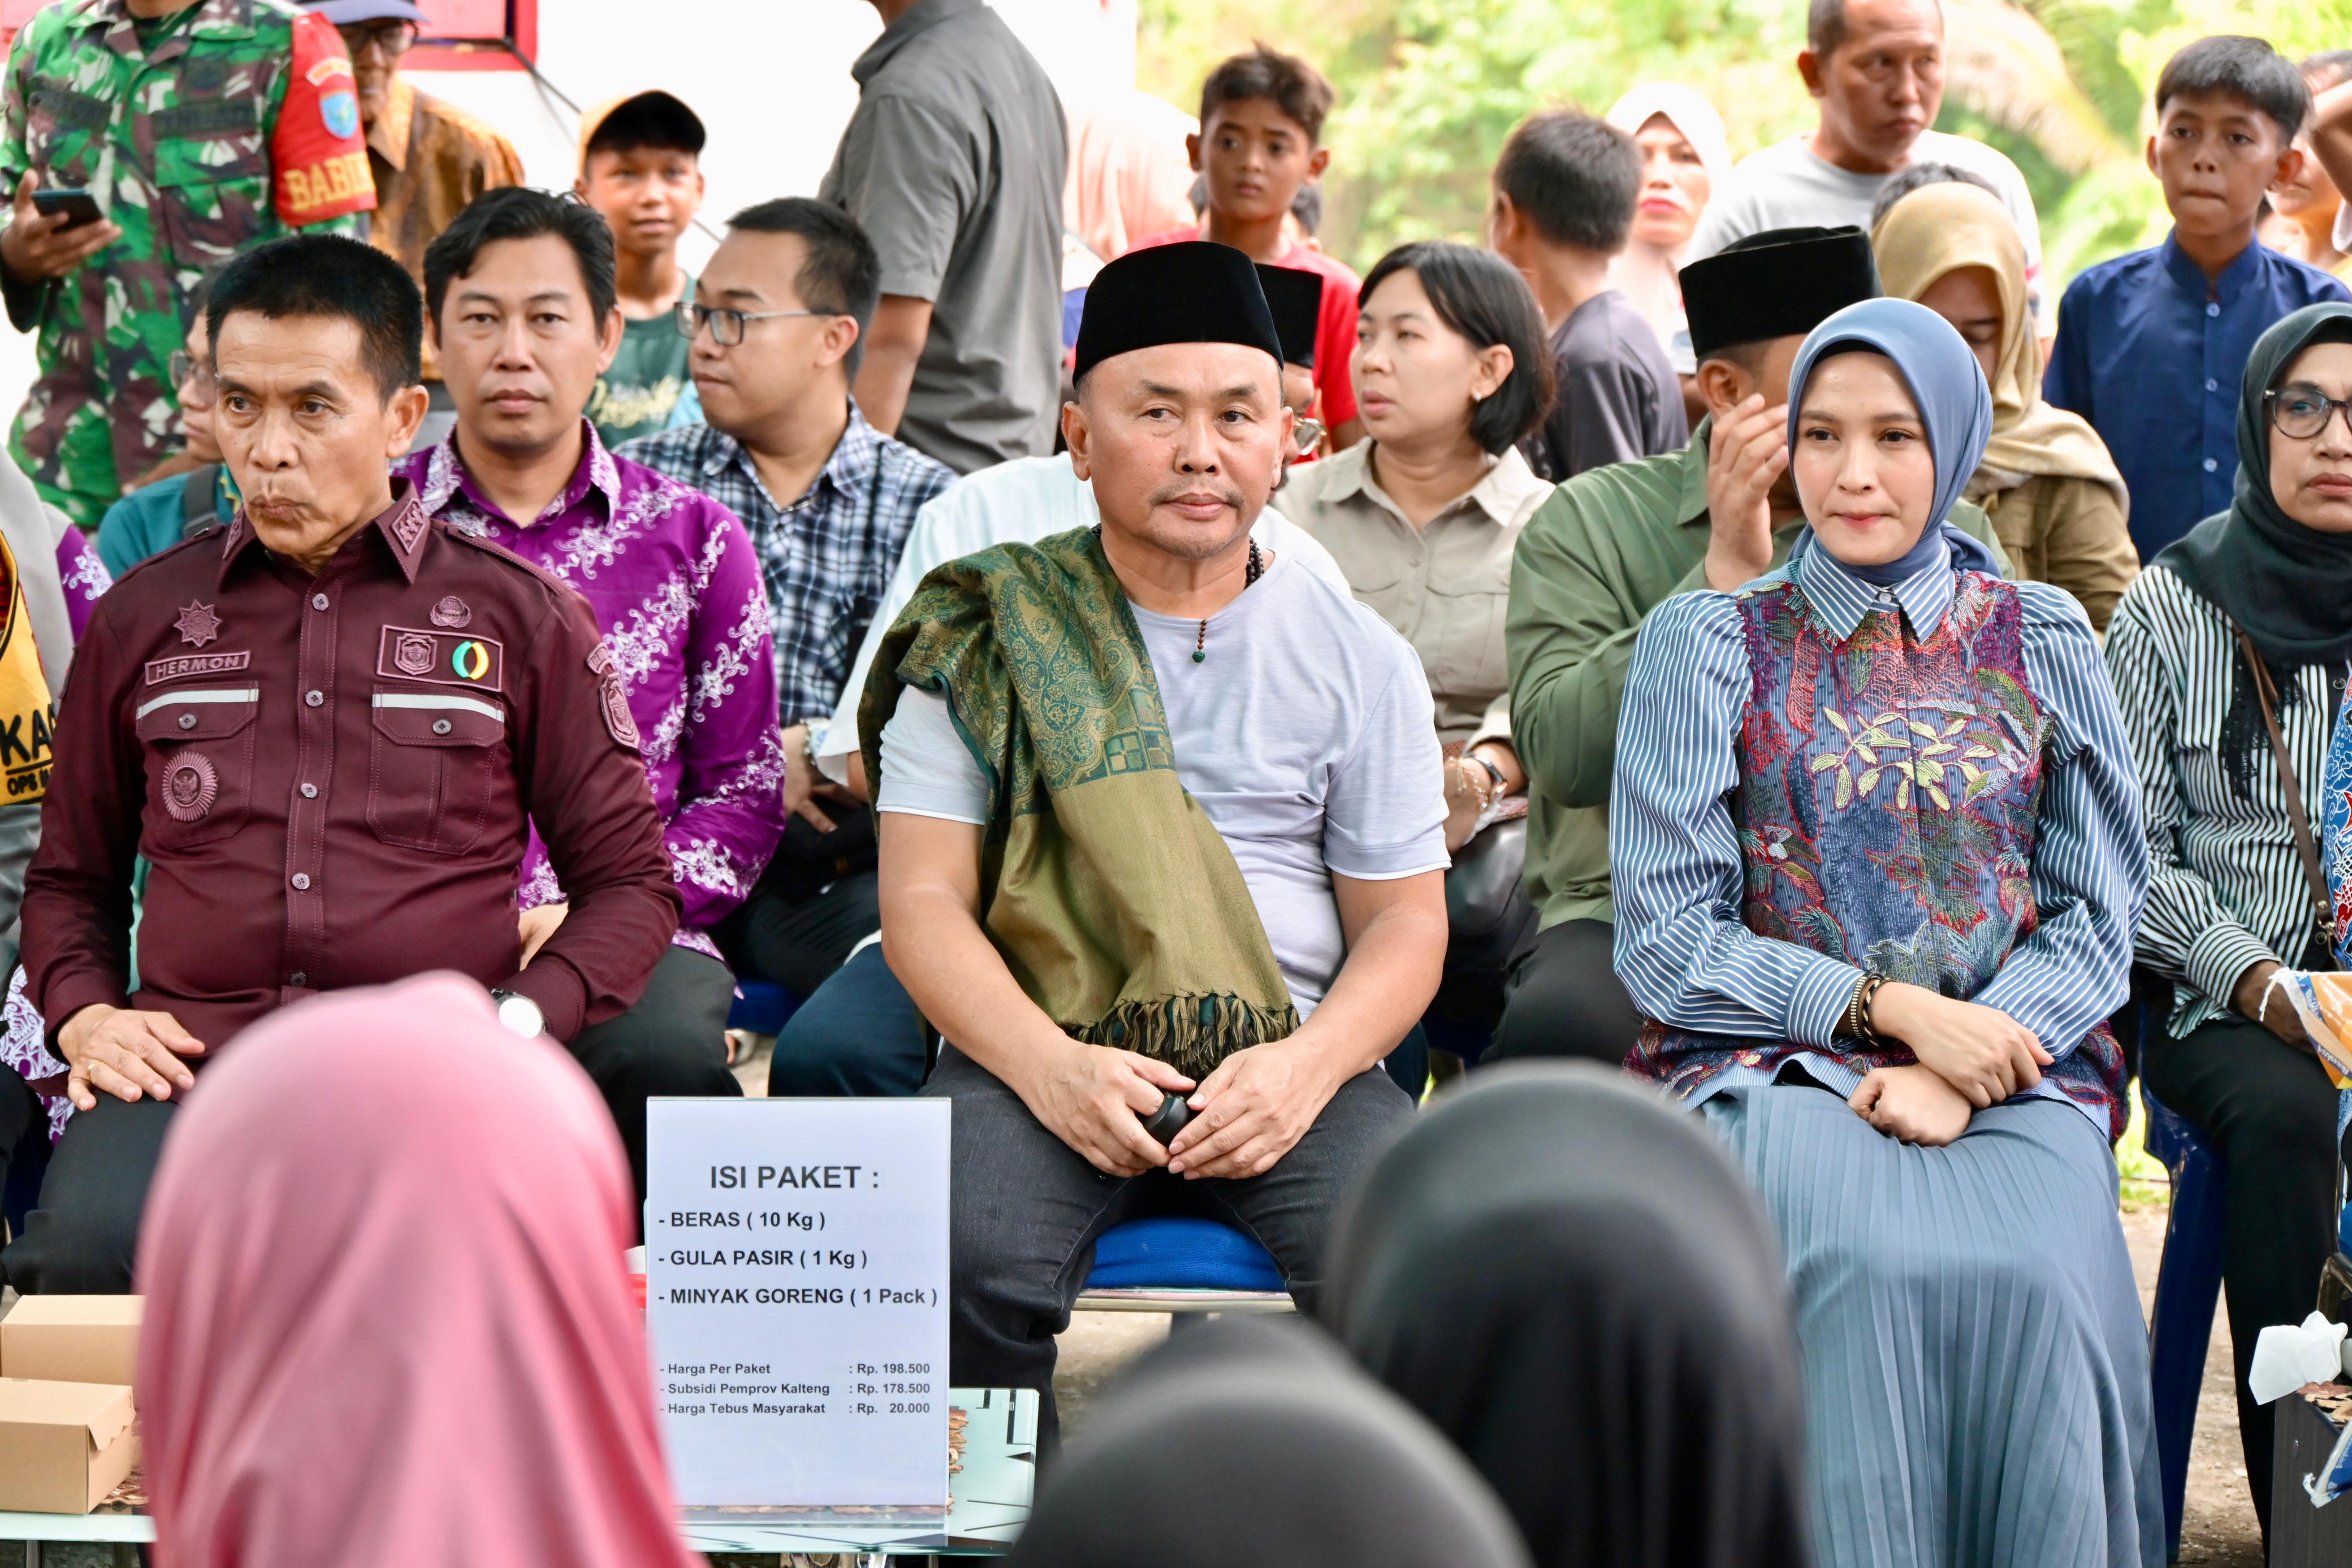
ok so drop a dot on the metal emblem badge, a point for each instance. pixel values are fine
(451, 612)
(198, 624)
(413, 655)
(190, 784)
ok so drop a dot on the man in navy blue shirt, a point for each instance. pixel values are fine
(2151, 345)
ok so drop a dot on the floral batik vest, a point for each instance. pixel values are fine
(1887, 813)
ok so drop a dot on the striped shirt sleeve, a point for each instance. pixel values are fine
(1682, 952)
(2169, 654)
(2090, 874)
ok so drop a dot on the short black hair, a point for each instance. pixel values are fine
(1483, 297)
(841, 275)
(1307, 207)
(655, 119)
(1287, 82)
(328, 274)
(1825, 25)
(1577, 178)
(2248, 69)
(1920, 176)
(518, 211)
(2329, 68)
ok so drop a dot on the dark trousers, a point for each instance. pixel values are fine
(2270, 1112)
(673, 1043)
(858, 1035)
(85, 1234)
(819, 897)
(84, 1237)
(22, 1117)
(1026, 1209)
(1562, 998)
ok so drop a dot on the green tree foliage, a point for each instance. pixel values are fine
(1429, 88)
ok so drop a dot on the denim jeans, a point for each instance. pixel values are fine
(1026, 1207)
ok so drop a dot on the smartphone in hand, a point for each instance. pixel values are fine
(79, 205)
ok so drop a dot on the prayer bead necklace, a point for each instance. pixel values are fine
(1256, 569)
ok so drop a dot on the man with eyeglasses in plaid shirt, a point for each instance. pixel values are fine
(778, 321)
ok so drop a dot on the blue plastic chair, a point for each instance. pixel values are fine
(1174, 1264)
(762, 1007)
(2188, 1285)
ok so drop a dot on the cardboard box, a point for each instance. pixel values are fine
(72, 1339)
(63, 1446)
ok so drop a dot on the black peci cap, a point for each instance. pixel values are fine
(1781, 283)
(1194, 292)
(1295, 298)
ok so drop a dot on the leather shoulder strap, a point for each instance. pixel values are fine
(2322, 907)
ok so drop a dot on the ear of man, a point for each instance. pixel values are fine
(1724, 380)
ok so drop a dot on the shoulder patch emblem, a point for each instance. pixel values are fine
(617, 717)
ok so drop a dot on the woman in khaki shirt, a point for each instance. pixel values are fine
(1451, 372)
(2056, 501)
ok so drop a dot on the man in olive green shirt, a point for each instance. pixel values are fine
(1609, 547)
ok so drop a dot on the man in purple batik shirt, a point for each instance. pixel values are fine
(519, 296)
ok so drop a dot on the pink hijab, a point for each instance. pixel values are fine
(388, 1321)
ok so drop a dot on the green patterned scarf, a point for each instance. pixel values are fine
(1112, 897)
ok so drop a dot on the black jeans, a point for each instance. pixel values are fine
(2270, 1112)
(673, 1043)
(1562, 998)
(1026, 1209)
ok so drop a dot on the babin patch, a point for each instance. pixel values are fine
(198, 624)
(189, 785)
(451, 612)
(186, 664)
(446, 658)
(617, 716)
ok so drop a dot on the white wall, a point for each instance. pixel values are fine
(770, 78)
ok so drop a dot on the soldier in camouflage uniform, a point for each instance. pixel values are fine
(200, 127)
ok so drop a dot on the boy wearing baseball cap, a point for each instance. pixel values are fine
(641, 166)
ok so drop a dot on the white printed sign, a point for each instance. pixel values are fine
(796, 1279)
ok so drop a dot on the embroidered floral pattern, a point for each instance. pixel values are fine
(1886, 812)
(677, 591)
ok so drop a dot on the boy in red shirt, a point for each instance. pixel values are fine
(1261, 124)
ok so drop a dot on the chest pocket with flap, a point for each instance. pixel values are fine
(430, 761)
(199, 749)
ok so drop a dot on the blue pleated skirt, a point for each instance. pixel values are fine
(1975, 1366)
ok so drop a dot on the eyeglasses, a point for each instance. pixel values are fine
(392, 36)
(727, 326)
(184, 368)
(1308, 434)
(2300, 413)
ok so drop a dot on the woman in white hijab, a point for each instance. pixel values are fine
(1684, 160)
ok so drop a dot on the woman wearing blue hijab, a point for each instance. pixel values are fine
(1877, 852)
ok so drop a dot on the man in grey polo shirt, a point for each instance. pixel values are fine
(953, 166)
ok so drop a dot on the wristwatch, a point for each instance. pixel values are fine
(519, 1013)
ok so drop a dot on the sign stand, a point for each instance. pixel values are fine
(796, 1281)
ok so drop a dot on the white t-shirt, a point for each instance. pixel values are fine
(1020, 502)
(1789, 185)
(1307, 735)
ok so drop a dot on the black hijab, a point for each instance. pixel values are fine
(2287, 586)
(1580, 1288)
(1242, 1444)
